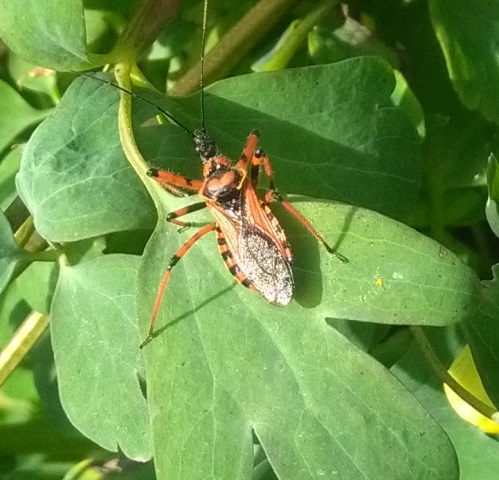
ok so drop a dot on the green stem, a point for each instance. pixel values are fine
(34, 248)
(24, 232)
(127, 137)
(21, 343)
(445, 376)
(239, 40)
(145, 24)
(45, 256)
(295, 39)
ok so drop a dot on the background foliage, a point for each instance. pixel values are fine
(380, 118)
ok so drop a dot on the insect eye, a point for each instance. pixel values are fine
(258, 153)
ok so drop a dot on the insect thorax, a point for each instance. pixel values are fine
(222, 182)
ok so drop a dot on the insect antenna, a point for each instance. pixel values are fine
(204, 144)
(201, 79)
(140, 97)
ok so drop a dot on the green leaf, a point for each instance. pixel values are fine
(226, 361)
(483, 336)
(458, 140)
(49, 33)
(36, 285)
(74, 178)
(399, 275)
(468, 37)
(10, 252)
(17, 114)
(405, 98)
(95, 341)
(491, 208)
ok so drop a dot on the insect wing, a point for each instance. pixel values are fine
(256, 245)
(263, 263)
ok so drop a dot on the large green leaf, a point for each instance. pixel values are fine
(225, 361)
(50, 33)
(95, 341)
(469, 35)
(74, 177)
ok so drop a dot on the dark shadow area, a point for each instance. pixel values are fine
(306, 264)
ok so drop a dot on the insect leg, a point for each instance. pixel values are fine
(164, 281)
(170, 181)
(255, 156)
(272, 195)
(259, 158)
(172, 216)
(293, 211)
(248, 150)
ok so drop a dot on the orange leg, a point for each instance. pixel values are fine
(172, 182)
(258, 158)
(293, 211)
(164, 281)
(248, 150)
(255, 156)
(172, 216)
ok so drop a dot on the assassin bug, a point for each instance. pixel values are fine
(250, 239)
(252, 243)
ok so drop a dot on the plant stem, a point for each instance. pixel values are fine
(45, 256)
(446, 377)
(295, 39)
(25, 231)
(127, 137)
(21, 343)
(234, 45)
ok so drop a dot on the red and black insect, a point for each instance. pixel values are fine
(252, 243)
